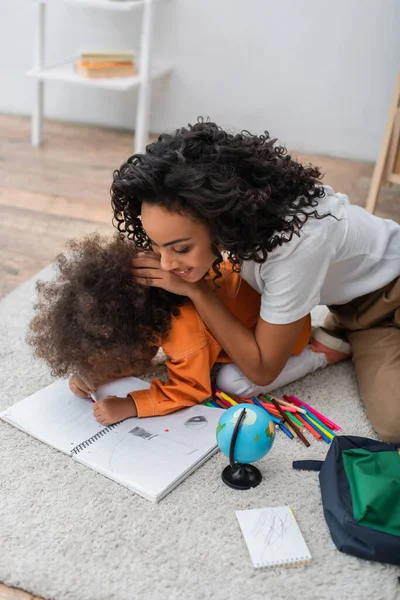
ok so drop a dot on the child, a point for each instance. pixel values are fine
(203, 191)
(94, 322)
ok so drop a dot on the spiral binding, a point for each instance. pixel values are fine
(292, 562)
(92, 439)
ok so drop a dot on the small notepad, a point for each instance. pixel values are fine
(273, 537)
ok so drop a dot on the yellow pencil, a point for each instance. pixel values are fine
(228, 399)
(325, 431)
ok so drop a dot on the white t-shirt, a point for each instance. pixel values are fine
(333, 261)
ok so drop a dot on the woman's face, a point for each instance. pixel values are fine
(184, 245)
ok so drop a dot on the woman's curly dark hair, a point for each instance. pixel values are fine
(93, 315)
(251, 194)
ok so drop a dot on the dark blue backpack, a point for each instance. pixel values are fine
(360, 488)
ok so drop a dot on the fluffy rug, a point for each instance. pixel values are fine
(68, 533)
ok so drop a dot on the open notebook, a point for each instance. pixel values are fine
(273, 537)
(150, 456)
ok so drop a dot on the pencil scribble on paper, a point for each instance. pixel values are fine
(123, 449)
(269, 529)
(142, 433)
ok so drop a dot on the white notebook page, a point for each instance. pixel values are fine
(57, 417)
(149, 455)
(273, 537)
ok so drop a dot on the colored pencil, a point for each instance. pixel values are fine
(243, 400)
(213, 404)
(291, 423)
(295, 419)
(286, 431)
(272, 417)
(285, 403)
(292, 431)
(272, 410)
(224, 402)
(316, 427)
(219, 402)
(310, 428)
(324, 430)
(290, 409)
(320, 416)
(321, 425)
(228, 398)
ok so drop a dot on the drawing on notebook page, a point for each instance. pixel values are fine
(270, 529)
(142, 433)
(198, 422)
(167, 441)
(122, 451)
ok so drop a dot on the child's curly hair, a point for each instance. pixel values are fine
(251, 194)
(93, 315)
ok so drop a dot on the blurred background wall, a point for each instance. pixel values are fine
(318, 74)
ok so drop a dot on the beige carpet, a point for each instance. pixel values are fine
(68, 533)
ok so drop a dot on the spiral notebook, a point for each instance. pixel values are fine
(150, 456)
(273, 537)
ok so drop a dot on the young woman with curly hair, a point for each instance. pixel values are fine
(202, 191)
(94, 322)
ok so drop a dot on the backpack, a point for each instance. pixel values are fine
(360, 489)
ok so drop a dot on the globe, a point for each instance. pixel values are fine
(256, 433)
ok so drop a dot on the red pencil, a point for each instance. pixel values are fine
(309, 428)
(224, 402)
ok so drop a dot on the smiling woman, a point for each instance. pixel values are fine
(183, 244)
(203, 191)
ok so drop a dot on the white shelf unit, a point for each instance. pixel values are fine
(64, 71)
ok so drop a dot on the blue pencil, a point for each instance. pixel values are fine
(312, 416)
(285, 430)
(324, 437)
(213, 404)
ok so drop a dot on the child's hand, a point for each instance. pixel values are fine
(113, 409)
(79, 387)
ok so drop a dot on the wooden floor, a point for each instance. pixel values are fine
(61, 190)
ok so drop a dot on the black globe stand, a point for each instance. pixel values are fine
(237, 475)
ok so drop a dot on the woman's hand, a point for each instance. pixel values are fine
(147, 271)
(113, 409)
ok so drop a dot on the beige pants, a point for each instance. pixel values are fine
(371, 324)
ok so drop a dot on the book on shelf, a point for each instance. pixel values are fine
(115, 56)
(105, 70)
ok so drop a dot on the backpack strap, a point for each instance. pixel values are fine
(308, 465)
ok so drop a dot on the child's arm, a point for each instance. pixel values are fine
(192, 352)
(188, 382)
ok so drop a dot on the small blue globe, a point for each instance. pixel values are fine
(256, 433)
